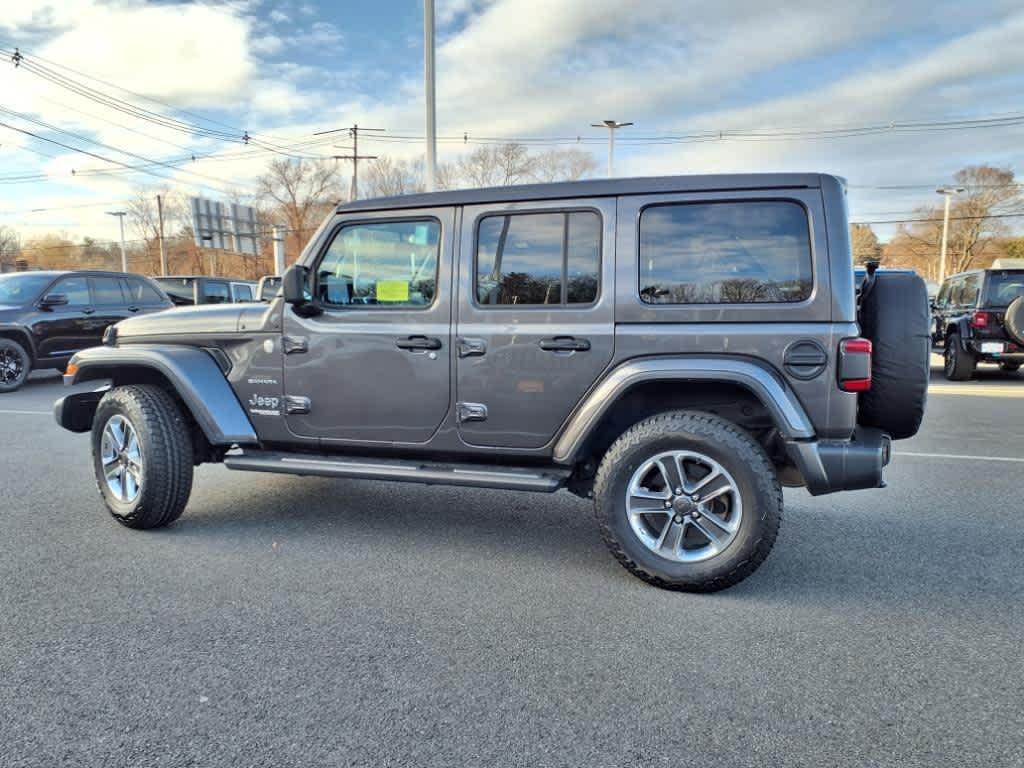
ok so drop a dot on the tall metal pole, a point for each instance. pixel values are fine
(278, 250)
(355, 162)
(124, 255)
(612, 126)
(160, 217)
(430, 174)
(946, 192)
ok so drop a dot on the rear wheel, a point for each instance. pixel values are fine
(142, 456)
(15, 365)
(958, 364)
(688, 501)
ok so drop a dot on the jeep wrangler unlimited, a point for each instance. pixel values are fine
(676, 349)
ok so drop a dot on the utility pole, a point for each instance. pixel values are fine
(278, 250)
(946, 192)
(160, 217)
(430, 175)
(612, 127)
(355, 157)
(124, 256)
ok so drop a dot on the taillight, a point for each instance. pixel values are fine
(855, 365)
(979, 320)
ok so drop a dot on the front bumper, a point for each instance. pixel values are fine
(828, 466)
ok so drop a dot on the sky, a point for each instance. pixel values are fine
(686, 73)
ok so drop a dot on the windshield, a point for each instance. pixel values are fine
(1004, 287)
(21, 288)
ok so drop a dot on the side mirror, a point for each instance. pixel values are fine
(293, 285)
(54, 300)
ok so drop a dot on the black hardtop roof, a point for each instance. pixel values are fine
(725, 182)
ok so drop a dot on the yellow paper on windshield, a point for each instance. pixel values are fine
(392, 290)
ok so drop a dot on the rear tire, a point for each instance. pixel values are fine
(15, 365)
(670, 549)
(958, 364)
(142, 456)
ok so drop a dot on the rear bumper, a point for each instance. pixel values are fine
(828, 466)
(1010, 353)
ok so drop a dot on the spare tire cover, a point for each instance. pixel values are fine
(1014, 320)
(895, 316)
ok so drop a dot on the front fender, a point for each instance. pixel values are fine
(191, 372)
(786, 411)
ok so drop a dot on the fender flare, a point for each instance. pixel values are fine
(194, 374)
(9, 329)
(766, 386)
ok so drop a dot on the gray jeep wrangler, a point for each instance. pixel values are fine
(676, 349)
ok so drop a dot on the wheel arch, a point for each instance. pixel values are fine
(22, 337)
(636, 389)
(191, 374)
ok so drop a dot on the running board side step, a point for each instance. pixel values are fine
(546, 480)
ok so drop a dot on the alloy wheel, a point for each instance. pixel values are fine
(684, 506)
(122, 459)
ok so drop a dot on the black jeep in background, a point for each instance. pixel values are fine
(45, 317)
(978, 317)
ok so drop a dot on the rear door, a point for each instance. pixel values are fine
(536, 316)
(374, 367)
(141, 296)
(109, 304)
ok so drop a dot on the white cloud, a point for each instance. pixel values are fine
(267, 45)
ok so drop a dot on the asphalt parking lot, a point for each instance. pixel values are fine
(310, 622)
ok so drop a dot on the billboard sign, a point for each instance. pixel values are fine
(227, 227)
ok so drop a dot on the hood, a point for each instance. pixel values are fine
(205, 318)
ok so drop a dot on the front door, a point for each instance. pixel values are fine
(61, 331)
(374, 366)
(536, 316)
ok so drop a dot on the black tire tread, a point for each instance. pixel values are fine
(729, 436)
(28, 364)
(169, 456)
(963, 365)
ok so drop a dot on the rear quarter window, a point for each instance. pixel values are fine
(730, 252)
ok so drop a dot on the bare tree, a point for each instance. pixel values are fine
(387, 177)
(563, 165)
(496, 165)
(301, 192)
(865, 244)
(10, 246)
(974, 229)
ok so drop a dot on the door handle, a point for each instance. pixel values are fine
(419, 342)
(564, 344)
(133, 310)
(88, 311)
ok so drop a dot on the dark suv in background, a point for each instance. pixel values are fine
(978, 317)
(45, 317)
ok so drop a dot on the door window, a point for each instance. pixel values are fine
(969, 290)
(943, 298)
(242, 292)
(531, 259)
(756, 251)
(106, 291)
(381, 265)
(76, 289)
(217, 293)
(141, 292)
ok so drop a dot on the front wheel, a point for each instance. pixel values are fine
(142, 456)
(15, 365)
(688, 501)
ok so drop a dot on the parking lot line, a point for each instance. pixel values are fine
(959, 457)
(28, 413)
(973, 391)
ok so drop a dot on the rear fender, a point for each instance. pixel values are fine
(787, 413)
(192, 373)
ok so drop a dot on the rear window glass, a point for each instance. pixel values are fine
(747, 252)
(106, 291)
(217, 293)
(142, 292)
(1004, 287)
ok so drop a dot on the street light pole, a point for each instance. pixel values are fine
(946, 192)
(124, 256)
(428, 77)
(612, 127)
